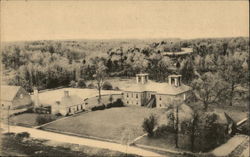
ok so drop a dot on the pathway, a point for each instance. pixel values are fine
(82, 141)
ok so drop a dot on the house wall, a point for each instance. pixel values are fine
(21, 100)
(165, 100)
(137, 98)
(64, 110)
(133, 98)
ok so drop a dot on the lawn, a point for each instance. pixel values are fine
(166, 142)
(25, 119)
(118, 124)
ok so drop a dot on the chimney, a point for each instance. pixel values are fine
(66, 93)
(141, 78)
(36, 96)
(174, 80)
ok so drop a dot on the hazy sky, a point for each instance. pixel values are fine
(123, 19)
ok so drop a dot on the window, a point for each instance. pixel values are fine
(160, 98)
(160, 105)
(127, 95)
(132, 95)
(2, 105)
(127, 102)
(136, 95)
(136, 103)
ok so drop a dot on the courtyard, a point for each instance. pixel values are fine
(121, 125)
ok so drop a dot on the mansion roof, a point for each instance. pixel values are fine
(160, 88)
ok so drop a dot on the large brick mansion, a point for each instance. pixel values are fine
(152, 94)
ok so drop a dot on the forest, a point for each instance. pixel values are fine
(216, 69)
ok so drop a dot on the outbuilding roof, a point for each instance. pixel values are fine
(160, 88)
(8, 93)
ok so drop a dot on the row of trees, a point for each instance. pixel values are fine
(49, 65)
(200, 129)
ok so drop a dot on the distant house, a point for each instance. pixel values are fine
(152, 94)
(68, 105)
(15, 98)
(184, 51)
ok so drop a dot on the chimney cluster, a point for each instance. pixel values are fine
(174, 80)
(141, 78)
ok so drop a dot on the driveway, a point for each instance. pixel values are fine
(81, 141)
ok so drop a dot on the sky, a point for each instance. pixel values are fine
(46, 20)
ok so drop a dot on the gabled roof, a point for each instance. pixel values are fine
(8, 93)
(160, 88)
(71, 100)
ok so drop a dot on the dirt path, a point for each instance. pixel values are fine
(81, 141)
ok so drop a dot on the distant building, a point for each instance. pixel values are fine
(184, 51)
(69, 104)
(15, 98)
(152, 94)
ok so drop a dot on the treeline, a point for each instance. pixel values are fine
(221, 63)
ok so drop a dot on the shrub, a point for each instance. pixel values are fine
(107, 86)
(58, 114)
(30, 110)
(81, 83)
(91, 86)
(149, 125)
(101, 107)
(164, 130)
(9, 134)
(117, 103)
(22, 135)
(46, 118)
(109, 105)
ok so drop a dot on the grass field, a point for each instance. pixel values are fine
(26, 119)
(166, 142)
(117, 124)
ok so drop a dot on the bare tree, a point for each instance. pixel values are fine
(100, 75)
